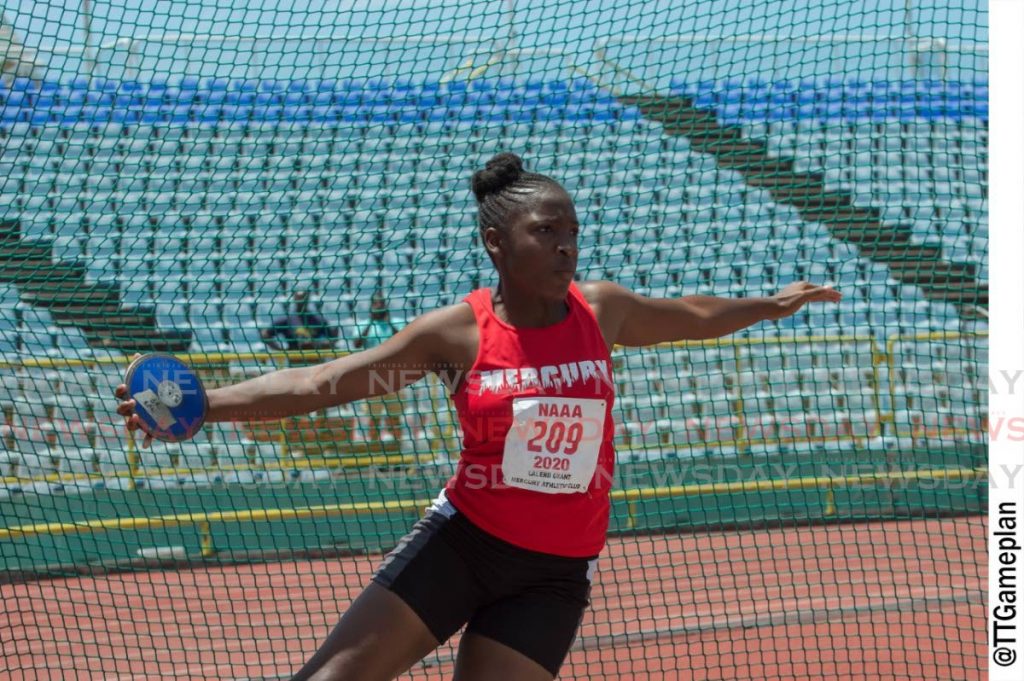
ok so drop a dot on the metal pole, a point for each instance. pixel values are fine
(513, 48)
(909, 43)
(89, 58)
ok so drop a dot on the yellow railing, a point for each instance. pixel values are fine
(295, 464)
(331, 510)
(449, 436)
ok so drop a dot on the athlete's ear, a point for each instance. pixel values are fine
(493, 239)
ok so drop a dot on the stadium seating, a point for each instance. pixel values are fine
(895, 166)
(227, 194)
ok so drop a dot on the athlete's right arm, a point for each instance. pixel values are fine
(432, 342)
(403, 359)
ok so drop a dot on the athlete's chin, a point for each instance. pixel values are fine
(559, 287)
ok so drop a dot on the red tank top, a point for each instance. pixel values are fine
(536, 417)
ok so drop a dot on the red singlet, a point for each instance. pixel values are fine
(536, 416)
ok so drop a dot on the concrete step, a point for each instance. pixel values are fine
(155, 341)
(700, 125)
(868, 240)
(905, 253)
(57, 276)
(805, 194)
(126, 322)
(751, 164)
(14, 252)
(932, 273)
(95, 294)
(733, 150)
(10, 230)
(966, 294)
(848, 216)
(14, 271)
(789, 182)
(113, 314)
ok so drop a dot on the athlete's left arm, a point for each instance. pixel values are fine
(634, 320)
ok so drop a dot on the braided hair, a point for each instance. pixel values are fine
(503, 186)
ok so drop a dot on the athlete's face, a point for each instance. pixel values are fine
(539, 246)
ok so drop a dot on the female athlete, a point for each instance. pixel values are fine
(508, 548)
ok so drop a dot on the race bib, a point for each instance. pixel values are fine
(553, 444)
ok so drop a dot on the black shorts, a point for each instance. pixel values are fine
(451, 573)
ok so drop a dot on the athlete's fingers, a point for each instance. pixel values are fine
(822, 293)
(132, 424)
(126, 408)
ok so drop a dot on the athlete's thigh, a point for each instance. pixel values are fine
(483, 659)
(537, 625)
(378, 638)
(422, 593)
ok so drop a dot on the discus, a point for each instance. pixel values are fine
(169, 397)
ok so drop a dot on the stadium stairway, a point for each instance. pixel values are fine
(912, 263)
(94, 307)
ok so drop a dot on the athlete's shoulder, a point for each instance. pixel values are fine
(610, 303)
(601, 291)
(446, 320)
(448, 334)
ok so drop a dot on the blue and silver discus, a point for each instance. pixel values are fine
(169, 397)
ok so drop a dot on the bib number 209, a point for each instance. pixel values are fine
(553, 444)
(551, 439)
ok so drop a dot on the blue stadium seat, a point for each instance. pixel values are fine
(553, 116)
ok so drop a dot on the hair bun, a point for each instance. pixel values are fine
(501, 171)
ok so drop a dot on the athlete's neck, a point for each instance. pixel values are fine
(526, 311)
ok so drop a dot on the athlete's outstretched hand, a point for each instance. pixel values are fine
(126, 408)
(799, 293)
